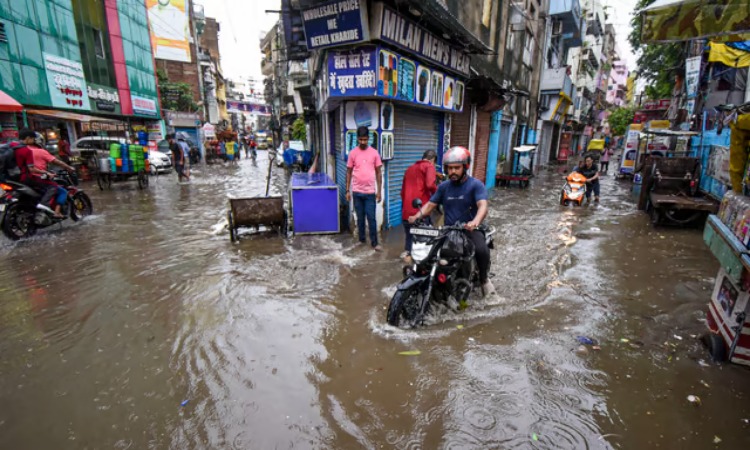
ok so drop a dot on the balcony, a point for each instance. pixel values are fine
(266, 67)
(594, 24)
(557, 80)
(568, 14)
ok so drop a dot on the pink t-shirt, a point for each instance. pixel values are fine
(363, 164)
(41, 158)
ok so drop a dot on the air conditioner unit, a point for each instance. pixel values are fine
(557, 28)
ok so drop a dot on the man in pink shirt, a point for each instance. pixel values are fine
(41, 159)
(363, 175)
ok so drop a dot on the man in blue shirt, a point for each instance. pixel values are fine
(464, 200)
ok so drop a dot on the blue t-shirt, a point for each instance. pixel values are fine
(460, 201)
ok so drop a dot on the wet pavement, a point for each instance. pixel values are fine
(144, 327)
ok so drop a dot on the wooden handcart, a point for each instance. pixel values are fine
(257, 212)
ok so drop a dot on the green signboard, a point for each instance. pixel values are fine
(104, 99)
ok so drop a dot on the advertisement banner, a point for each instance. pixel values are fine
(692, 76)
(352, 72)
(170, 29)
(336, 23)
(378, 72)
(248, 107)
(66, 82)
(391, 27)
(718, 164)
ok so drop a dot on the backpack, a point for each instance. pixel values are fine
(8, 168)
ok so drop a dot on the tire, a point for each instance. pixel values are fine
(404, 305)
(100, 181)
(80, 206)
(716, 347)
(142, 179)
(18, 224)
(656, 216)
(682, 216)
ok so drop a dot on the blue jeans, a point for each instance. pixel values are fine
(593, 186)
(364, 205)
(62, 196)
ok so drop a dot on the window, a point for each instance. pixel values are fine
(99, 44)
(3, 35)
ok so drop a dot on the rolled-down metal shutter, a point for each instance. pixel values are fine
(461, 129)
(481, 150)
(415, 132)
(338, 147)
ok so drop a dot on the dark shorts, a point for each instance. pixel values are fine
(180, 169)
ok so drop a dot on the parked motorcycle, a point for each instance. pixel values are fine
(19, 216)
(574, 190)
(444, 272)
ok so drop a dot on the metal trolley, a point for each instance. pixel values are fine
(256, 212)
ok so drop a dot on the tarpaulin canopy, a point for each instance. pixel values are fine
(728, 56)
(680, 20)
(9, 104)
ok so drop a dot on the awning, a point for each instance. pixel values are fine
(662, 132)
(524, 148)
(70, 116)
(8, 104)
(680, 20)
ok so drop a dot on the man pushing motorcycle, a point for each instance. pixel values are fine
(464, 200)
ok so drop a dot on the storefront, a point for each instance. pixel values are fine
(187, 124)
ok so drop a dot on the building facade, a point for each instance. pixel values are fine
(78, 66)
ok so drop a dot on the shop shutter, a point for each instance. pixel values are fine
(338, 152)
(481, 149)
(415, 132)
(461, 128)
(505, 139)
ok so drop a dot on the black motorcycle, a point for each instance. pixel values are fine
(19, 216)
(444, 272)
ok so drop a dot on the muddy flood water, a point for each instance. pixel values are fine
(144, 327)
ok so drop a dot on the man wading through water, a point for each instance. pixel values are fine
(363, 174)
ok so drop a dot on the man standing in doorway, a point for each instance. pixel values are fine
(419, 182)
(363, 174)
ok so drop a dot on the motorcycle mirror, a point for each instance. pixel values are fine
(417, 203)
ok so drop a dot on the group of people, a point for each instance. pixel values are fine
(462, 197)
(230, 148)
(33, 161)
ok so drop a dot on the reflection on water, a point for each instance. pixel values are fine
(144, 327)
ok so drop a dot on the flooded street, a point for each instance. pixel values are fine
(145, 327)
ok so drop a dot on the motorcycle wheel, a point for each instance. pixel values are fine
(404, 306)
(18, 224)
(80, 206)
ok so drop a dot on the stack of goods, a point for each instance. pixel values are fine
(124, 158)
(735, 214)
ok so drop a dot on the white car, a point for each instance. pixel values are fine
(94, 146)
(159, 162)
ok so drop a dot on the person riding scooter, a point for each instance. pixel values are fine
(41, 159)
(464, 200)
(32, 176)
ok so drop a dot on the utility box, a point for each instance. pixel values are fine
(314, 204)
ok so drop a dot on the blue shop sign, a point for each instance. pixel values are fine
(371, 71)
(336, 23)
(391, 27)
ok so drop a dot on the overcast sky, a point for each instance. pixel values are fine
(243, 22)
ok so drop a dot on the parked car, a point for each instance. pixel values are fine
(262, 140)
(159, 162)
(94, 147)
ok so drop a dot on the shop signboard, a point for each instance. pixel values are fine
(259, 109)
(631, 150)
(390, 26)
(336, 23)
(370, 71)
(143, 106)
(104, 99)
(66, 82)
(169, 27)
(692, 76)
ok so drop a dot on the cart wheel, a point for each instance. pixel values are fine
(285, 226)
(100, 181)
(656, 216)
(716, 347)
(232, 231)
(109, 181)
(142, 179)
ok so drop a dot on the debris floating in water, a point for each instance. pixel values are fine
(717, 440)
(184, 402)
(535, 437)
(410, 353)
(460, 327)
(694, 399)
(586, 340)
